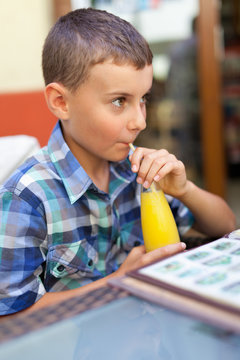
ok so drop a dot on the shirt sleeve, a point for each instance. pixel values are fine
(22, 252)
(183, 216)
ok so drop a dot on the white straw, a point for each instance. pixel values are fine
(131, 146)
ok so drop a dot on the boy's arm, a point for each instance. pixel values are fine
(136, 258)
(212, 214)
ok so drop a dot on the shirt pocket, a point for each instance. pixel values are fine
(77, 258)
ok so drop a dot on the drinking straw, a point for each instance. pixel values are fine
(152, 186)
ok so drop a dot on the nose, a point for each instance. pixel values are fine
(137, 121)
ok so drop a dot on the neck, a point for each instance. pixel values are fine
(96, 168)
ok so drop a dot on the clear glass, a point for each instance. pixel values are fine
(158, 224)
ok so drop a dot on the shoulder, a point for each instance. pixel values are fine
(32, 177)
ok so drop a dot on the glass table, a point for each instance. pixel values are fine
(121, 328)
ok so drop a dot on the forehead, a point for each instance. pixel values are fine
(110, 77)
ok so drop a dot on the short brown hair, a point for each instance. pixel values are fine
(85, 37)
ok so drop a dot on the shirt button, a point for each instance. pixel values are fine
(60, 268)
(90, 262)
(137, 243)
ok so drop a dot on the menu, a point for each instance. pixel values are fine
(203, 282)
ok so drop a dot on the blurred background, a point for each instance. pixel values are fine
(194, 110)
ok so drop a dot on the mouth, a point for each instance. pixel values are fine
(127, 142)
(124, 144)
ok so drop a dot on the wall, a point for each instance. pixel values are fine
(23, 27)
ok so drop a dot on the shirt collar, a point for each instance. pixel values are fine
(75, 179)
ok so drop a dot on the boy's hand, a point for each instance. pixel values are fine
(138, 256)
(161, 167)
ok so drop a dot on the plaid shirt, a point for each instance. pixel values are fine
(58, 231)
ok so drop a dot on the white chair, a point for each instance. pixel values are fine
(14, 151)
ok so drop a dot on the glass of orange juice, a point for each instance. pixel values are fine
(158, 224)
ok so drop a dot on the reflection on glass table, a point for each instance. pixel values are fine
(126, 328)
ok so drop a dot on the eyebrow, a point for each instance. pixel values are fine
(117, 93)
(149, 91)
(122, 93)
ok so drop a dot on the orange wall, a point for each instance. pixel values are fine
(26, 113)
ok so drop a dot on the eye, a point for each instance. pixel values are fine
(119, 102)
(145, 99)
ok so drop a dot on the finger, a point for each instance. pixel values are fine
(137, 157)
(143, 171)
(138, 250)
(154, 173)
(164, 252)
(175, 166)
(148, 160)
(151, 164)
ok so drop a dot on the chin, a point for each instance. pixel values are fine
(121, 155)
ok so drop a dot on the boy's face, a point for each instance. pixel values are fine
(107, 112)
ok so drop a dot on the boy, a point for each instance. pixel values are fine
(70, 216)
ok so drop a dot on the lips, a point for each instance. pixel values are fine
(126, 142)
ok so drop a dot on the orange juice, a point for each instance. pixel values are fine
(158, 224)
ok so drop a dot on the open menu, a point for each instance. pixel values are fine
(203, 282)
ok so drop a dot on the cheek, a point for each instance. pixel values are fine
(111, 129)
(109, 134)
(145, 112)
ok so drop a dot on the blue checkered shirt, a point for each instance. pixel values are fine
(58, 231)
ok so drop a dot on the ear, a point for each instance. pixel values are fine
(56, 98)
